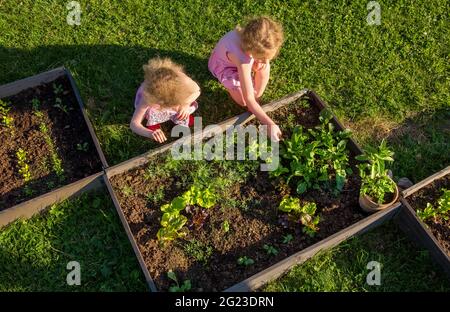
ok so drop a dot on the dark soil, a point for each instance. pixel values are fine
(430, 194)
(250, 228)
(66, 131)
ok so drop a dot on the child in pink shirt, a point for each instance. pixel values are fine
(167, 93)
(241, 63)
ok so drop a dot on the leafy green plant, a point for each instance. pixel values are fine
(24, 169)
(35, 104)
(205, 198)
(312, 157)
(172, 222)
(376, 182)
(83, 147)
(186, 286)
(127, 190)
(197, 250)
(270, 250)
(304, 214)
(287, 238)
(245, 261)
(441, 210)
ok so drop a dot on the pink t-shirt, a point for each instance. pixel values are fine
(220, 65)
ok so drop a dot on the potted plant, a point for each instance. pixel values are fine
(378, 190)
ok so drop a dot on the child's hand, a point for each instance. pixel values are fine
(159, 136)
(183, 113)
(275, 132)
(257, 65)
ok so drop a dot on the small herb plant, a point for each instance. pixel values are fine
(24, 169)
(6, 120)
(83, 147)
(272, 251)
(197, 250)
(59, 104)
(376, 182)
(225, 226)
(287, 238)
(57, 89)
(245, 261)
(186, 286)
(312, 157)
(304, 214)
(441, 210)
(35, 104)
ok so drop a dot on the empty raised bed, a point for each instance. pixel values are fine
(425, 215)
(49, 149)
(236, 237)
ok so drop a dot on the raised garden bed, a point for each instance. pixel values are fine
(431, 231)
(242, 240)
(49, 150)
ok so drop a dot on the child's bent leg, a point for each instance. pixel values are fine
(261, 79)
(236, 95)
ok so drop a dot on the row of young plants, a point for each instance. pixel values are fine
(441, 210)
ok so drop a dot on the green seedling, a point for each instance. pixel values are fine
(35, 104)
(24, 169)
(226, 226)
(245, 261)
(57, 89)
(287, 238)
(59, 104)
(374, 174)
(272, 251)
(199, 251)
(441, 210)
(55, 159)
(83, 147)
(186, 286)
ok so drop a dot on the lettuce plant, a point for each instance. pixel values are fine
(304, 214)
(173, 223)
(6, 120)
(441, 210)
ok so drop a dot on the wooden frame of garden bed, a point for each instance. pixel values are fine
(276, 270)
(37, 204)
(416, 229)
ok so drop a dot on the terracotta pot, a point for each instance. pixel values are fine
(368, 205)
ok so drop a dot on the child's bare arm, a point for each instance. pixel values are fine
(137, 127)
(262, 75)
(248, 95)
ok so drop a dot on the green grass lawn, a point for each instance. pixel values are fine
(387, 81)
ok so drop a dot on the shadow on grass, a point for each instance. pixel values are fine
(421, 145)
(34, 253)
(108, 77)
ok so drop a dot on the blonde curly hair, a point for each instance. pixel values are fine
(163, 83)
(262, 37)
